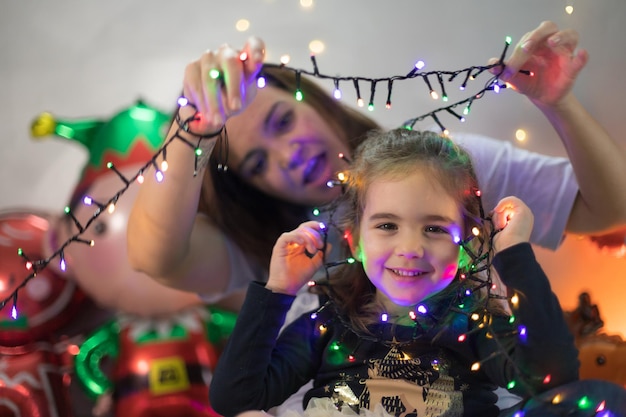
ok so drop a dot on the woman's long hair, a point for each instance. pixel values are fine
(251, 218)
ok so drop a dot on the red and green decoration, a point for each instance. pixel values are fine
(130, 137)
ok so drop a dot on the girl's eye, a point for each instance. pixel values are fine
(387, 226)
(436, 229)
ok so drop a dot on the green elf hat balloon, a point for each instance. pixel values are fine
(130, 137)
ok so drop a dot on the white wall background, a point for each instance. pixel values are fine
(85, 58)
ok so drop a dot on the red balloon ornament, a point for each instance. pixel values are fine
(34, 368)
(162, 366)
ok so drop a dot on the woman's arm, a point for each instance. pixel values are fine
(599, 162)
(167, 238)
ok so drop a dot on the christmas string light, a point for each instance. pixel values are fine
(389, 88)
(184, 126)
(370, 106)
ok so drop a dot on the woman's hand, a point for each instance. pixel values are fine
(551, 55)
(297, 255)
(515, 220)
(220, 83)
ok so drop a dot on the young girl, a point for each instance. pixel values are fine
(410, 328)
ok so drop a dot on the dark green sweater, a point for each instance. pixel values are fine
(260, 369)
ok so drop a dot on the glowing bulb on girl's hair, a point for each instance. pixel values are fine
(523, 335)
(261, 82)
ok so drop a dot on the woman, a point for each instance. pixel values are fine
(213, 233)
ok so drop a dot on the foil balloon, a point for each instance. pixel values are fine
(47, 302)
(102, 270)
(613, 243)
(34, 368)
(127, 142)
(163, 365)
(158, 345)
(33, 382)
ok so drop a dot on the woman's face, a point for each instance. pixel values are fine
(284, 148)
(407, 236)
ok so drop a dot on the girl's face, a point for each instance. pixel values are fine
(406, 238)
(284, 148)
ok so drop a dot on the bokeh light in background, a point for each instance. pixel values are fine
(316, 46)
(242, 25)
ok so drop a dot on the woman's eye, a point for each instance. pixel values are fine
(257, 167)
(284, 121)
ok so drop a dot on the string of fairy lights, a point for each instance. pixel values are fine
(480, 262)
(33, 267)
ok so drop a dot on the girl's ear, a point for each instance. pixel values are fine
(355, 250)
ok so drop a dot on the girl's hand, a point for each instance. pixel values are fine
(220, 83)
(297, 255)
(515, 219)
(552, 57)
